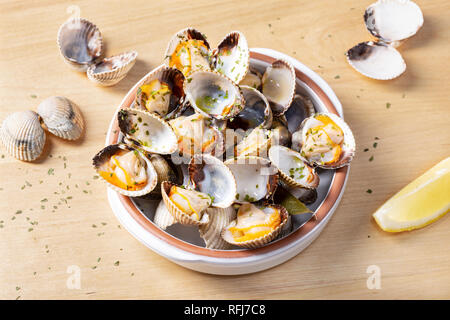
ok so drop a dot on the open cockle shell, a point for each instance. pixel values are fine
(211, 232)
(293, 168)
(112, 69)
(261, 241)
(393, 20)
(232, 56)
(179, 215)
(161, 92)
(252, 79)
(80, 43)
(147, 131)
(163, 218)
(300, 109)
(257, 111)
(197, 135)
(211, 176)
(346, 148)
(256, 178)
(101, 160)
(376, 60)
(213, 95)
(188, 51)
(278, 85)
(22, 135)
(62, 117)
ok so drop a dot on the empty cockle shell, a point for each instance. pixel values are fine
(256, 113)
(211, 176)
(126, 170)
(163, 218)
(256, 178)
(188, 51)
(213, 95)
(255, 144)
(325, 140)
(393, 20)
(211, 232)
(80, 43)
(161, 92)
(252, 79)
(278, 85)
(62, 117)
(293, 168)
(376, 60)
(197, 135)
(232, 56)
(300, 109)
(112, 69)
(255, 226)
(147, 131)
(186, 206)
(22, 135)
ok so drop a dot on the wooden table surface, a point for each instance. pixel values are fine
(42, 235)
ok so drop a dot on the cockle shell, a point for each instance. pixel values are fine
(105, 155)
(261, 241)
(112, 69)
(348, 146)
(232, 56)
(62, 117)
(291, 166)
(163, 218)
(80, 43)
(211, 233)
(168, 106)
(376, 60)
(393, 20)
(256, 178)
(257, 143)
(257, 111)
(22, 135)
(211, 176)
(147, 131)
(213, 95)
(300, 109)
(278, 85)
(199, 59)
(179, 215)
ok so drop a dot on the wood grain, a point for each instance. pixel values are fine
(413, 136)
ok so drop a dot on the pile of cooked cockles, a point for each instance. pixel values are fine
(247, 138)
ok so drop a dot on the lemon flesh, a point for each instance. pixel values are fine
(421, 202)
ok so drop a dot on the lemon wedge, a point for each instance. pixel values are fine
(420, 203)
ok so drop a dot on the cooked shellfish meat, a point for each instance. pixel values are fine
(190, 202)
(196, 135)
(126, 170)
(188, 51)
(255, 144)
(293, 167)
(253, 222)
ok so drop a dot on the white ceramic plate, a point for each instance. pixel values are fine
(182, 244)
